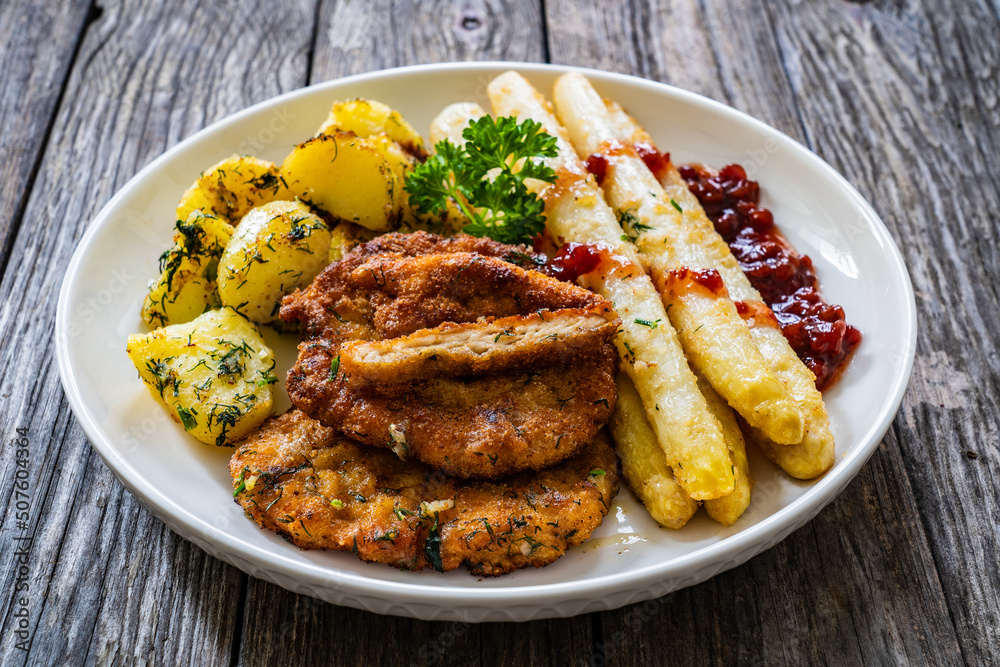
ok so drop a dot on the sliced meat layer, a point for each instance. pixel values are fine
(321, 490)
(478, 348)
(468, 419)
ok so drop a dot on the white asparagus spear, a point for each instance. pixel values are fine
(815, 453)
(727, 509)
(643, 464)
(714, 336)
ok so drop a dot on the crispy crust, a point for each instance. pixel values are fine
(321, 490)
(477, 348)
(484, 426)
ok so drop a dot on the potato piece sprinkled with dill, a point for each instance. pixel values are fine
(213, 374)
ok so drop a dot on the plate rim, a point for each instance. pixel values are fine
(730, 551)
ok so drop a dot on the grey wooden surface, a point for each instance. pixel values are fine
(900, 96)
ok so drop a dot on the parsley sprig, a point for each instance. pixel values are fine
(485, 178)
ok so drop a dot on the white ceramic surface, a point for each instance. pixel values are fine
(629, 559)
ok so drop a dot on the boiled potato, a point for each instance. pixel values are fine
(345, 236)
(401, 163)
(347, 176)
(367, 118)
(186, 287)
(275, 249)
(233, 187)
(398, 159)
(213, 374)
(396, 139)
(340, 242)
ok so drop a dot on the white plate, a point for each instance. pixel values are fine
(629, 559)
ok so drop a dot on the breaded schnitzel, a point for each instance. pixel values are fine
(531, 397)
(474, 348)
(321, 490)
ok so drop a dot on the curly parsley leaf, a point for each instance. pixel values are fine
(485, 178)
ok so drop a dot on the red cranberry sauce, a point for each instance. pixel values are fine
(761, 314)
(816, 330)
(597, 164)
(707, 278)
(657, 162)
(574, 260)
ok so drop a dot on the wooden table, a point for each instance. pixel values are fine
(900, 97)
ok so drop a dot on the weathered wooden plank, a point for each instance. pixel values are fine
(823, 595)
(108, 583)
(285, 628)
(919, 85)
(37, 47)
(358, 36)
(563, 641)
(662, 41)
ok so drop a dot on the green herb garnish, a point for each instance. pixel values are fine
(485, 178)
(187, 417)
(388, 536)
(432, 546)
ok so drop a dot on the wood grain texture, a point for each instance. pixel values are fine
(37, 47)
(285, 628)
(359, 36)
(663, 41)
(108, 583)
(900, 96)
(920, 85)
(281, 627)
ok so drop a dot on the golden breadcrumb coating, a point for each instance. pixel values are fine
(533, 414)
(321, 490)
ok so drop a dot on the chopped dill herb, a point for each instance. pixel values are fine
(241, 484)
(187, 417)
(630, 225)
(388, 536)
(630, 357)
(432, 546)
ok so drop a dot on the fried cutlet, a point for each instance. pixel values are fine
(321, 490)
(475, 348)
(522, 402)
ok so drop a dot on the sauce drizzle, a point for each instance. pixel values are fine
(816, 330)
(657, 162)
(707, 278)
